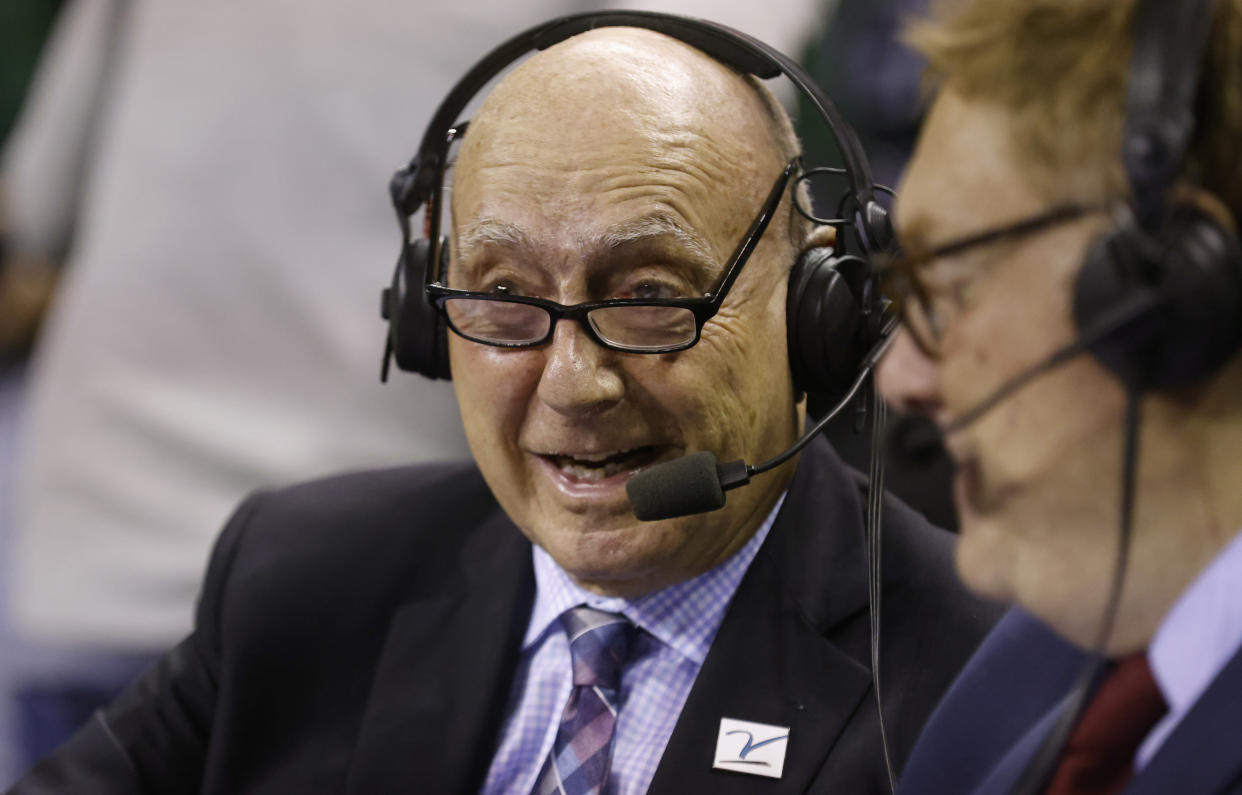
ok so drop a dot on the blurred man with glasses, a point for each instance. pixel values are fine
(1099, 483)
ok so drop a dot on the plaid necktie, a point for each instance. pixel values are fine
(578, 764)
(1099, 756)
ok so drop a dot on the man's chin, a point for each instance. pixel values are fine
(607, 582)
(982, 564)
(617, 559)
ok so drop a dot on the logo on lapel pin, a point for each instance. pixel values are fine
(755, 748)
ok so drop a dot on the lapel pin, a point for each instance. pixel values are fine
(754, 748)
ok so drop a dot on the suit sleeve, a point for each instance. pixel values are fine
(154, 737)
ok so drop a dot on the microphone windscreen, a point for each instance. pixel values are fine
(681, 487)
(915, 442)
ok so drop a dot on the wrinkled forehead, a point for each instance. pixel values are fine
(614, 82)
(612, 111)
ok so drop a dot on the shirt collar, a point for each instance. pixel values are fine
(684, 616)
(1201, 632)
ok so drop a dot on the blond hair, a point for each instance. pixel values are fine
(1059, 67)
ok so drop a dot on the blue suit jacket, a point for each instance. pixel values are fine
(1006, 700)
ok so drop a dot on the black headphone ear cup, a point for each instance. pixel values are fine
(1193, 266)
(878, 227)
(824, 318)
(418, 334)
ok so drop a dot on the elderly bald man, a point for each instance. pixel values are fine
(508, 625)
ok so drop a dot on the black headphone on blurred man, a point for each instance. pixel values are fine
(1170, 259)
(1167, 252)
(833, 309)
(1158, 298)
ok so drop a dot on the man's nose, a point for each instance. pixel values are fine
(908, 379)
(579, 376)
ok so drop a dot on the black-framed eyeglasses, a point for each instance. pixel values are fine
(629, 325)
(924, 312)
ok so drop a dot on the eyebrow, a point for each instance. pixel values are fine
(649, 227)
(489, 232)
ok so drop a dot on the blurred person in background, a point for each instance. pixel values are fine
(24, 293)
(219, 170)
(24, 287)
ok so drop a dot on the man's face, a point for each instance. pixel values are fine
(587, 188)
(1038, 483)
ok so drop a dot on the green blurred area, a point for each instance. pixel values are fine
(24, 25)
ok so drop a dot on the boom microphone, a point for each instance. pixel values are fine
(916, 443)
(696, 483)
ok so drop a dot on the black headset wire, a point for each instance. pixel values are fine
(1169, 44)
(1035, 775)
(1111, 322)
(875, 507)
(874, 511)
(864, 372)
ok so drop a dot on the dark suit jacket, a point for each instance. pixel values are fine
(1011, 693)
(360, 634)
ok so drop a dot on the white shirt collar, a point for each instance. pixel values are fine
(684, 616)
(1196, 639)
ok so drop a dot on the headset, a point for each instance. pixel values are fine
(1158, 297)
(1164, 250)
(833, 308)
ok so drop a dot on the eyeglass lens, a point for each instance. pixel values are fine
(924, 315)
(498, 321)
(634, 328)
(903, 289)
(643, 327)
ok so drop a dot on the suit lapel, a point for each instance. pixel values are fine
(780, 656)
(1011, 766)
(768, 666)
(437, 700)
(1201, 755)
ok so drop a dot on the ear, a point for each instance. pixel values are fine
(820, 237)
(1208, 202)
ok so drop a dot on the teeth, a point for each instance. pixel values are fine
(593, 472)
(596, 457)
(596, 466)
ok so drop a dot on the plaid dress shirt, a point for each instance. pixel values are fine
(678, 623)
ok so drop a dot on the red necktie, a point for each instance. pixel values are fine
(1099, 756)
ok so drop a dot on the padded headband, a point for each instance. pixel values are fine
(1170, 38)
(418, 184)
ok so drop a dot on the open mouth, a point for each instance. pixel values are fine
(601, 466)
